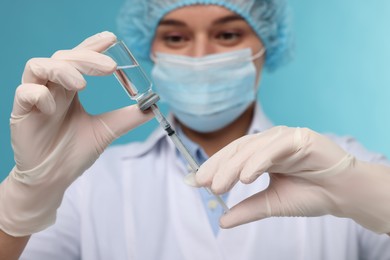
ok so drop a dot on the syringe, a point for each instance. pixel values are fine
(182, 149)
(138, 86)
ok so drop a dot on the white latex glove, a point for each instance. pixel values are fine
(309, 176)
(53, 138)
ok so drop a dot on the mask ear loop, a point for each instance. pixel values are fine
(259, 54)
(153, 57)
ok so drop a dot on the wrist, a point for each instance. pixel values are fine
(368, 193)
(27, 207)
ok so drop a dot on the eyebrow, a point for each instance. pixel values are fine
(228, 19)
(171, 22)
(223, 20)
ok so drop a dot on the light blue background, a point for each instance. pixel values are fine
(338, 82)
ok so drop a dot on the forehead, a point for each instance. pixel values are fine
(199, 15)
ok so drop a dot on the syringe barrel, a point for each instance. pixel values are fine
(183, 150)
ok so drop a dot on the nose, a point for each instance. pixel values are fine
(201, 46)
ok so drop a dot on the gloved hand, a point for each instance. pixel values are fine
(53, 138)
(309, 176)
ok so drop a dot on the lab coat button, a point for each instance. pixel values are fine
(212, 204)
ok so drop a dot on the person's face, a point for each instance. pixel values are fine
(200, 30)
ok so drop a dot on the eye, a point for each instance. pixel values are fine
(228, 37)
(175, 40)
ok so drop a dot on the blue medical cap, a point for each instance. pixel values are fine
(269, 19)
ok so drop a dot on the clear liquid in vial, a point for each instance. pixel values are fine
(133, 80)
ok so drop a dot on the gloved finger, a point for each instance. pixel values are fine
(205, 174)
(28, 96)
(190, 180)
(288, 196)
(98, 42)
(227, 175)
(222, 170)
(120, 121)
(276, 147)
(87, 62)
(42, 70)
(251, 209)
(215, 165)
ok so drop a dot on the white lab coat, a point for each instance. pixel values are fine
(132, 204)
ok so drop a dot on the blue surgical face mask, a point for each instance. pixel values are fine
(206, 93)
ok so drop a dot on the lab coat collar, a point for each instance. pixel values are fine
(260, 123)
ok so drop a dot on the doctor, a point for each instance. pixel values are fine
(131, 203)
